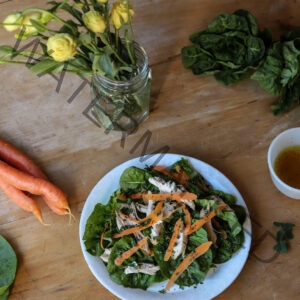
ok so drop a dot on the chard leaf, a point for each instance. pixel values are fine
(229, 48)
(8, 267)
(268, 74)
(251, 22)
(291, 58)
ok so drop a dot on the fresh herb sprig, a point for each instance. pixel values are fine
(283, 235)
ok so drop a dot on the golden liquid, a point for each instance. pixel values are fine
(287, 166)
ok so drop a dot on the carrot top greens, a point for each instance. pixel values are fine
(164, 224)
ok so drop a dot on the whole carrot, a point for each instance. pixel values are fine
(36, 186)
(18, 159)
(22, 200)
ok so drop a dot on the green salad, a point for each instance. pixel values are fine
(164, 224)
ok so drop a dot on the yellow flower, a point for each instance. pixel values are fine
(46, 17)
(102, 1)
(120, 15)
(61, 46)
(29, 29)
(94, 21)
(78, 5)
(13, 19)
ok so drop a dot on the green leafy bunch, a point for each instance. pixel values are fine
(280, 72)
(82, 37)
(233, 48)
(229, 48)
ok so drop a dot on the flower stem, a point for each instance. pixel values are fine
(51, 14)
(104, 39)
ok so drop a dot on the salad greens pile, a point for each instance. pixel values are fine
(234, 48)
(214, 216)
(8, 267)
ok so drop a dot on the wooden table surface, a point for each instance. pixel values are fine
(227, 127)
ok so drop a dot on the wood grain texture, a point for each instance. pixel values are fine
(227, 127)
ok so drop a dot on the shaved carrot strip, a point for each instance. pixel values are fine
(172, 196)
(202, 187)
(137, 229)
(177, 227)
(122, 197)
(200, 250)
(157, 209)
(131, 251)
(102, 235)
(163, 170)
(182, 172)
(188, 220)
(177, 177)
(198, 224)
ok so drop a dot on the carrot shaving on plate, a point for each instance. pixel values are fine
(122, 197)
(198, 224)
(180, 178)
(188, 220)
(178, 226)
(157, 209)
(154, 217)
(125, 255)
(102, 235)
(200, 250)
(165, 196)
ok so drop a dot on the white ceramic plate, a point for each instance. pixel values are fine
(217, 280)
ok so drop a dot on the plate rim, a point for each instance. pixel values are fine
(189, 293)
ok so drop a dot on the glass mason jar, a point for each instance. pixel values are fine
(123, 105)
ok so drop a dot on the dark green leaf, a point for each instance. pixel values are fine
(47, 66)
(71, 28)
(251, 21)
(281, 247)
(108, 65)
(268, 74)
(282, 235)
(230, 48)
(6, 50)
(8, 267)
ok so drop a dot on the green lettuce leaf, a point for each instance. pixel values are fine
(96, 224)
